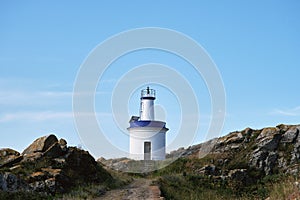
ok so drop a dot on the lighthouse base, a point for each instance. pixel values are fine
(147, 143)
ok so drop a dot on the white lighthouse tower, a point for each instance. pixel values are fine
(147, 136)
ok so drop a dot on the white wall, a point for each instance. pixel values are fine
(147, 109)
(155, 135)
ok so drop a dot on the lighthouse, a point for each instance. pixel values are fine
(147, 136)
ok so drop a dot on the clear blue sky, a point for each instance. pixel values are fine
(255, 45)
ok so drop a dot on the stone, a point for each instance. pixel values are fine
(234, 137)
(37, 176)
(41, 144)
(54, 151)
(16, 167)
(268, 132)
(10, 182)
(51, 185)
(49, 166)
(283, 127)
(52, 172)
(63, 144)
(248, 131)
(8, 157)
(257, 159)
(269, 139)
(207, 170)
(7, 152)
(290, 135)
(271, 161)
(32, 157)
(60, 162)
(10, 160)
(38, 186)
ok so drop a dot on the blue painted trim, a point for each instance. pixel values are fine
(147, 123)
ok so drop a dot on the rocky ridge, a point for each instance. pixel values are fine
(267, 151)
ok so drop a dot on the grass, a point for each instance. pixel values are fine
(285, 188)
(24, 195)
(192, 187)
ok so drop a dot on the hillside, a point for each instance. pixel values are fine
(247, 164)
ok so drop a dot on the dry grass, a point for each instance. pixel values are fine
(287, 189)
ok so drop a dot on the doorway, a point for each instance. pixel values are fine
(147, 150)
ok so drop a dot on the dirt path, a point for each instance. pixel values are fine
(139, 189)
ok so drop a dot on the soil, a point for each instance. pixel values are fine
(139, 189)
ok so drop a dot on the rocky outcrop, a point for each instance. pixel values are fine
(41, 144)
(269, 150)
(49, 166)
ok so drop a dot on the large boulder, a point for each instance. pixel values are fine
(8, 157)
(290, 135)
(269, 139)
(41, 144)
(79, 164)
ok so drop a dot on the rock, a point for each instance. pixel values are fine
(268, 132)
(49, 166)
(52, 172)
(269, 139)
(80, 164)
(54, 151)
(52, 186)
(32, 157)
(59, 162)
(282, 163)
(207, 170)
(8, 152)
(10, 182)
(16, 167)
(257, 159)
(270, 163)
(38, 186)
(63, 144)
(290, 135)
(247, 131)
(234, 137)
(8, 157)
(283, 127)
(294, 170)
(41, 144)
(10, 160)
(37, 176)
(296, 151)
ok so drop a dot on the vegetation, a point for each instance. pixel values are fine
(180, 181)
(235, 169)
(24, 196)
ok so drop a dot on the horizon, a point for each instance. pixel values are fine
(255, 46)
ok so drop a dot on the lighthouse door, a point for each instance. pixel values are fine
(147, 150)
